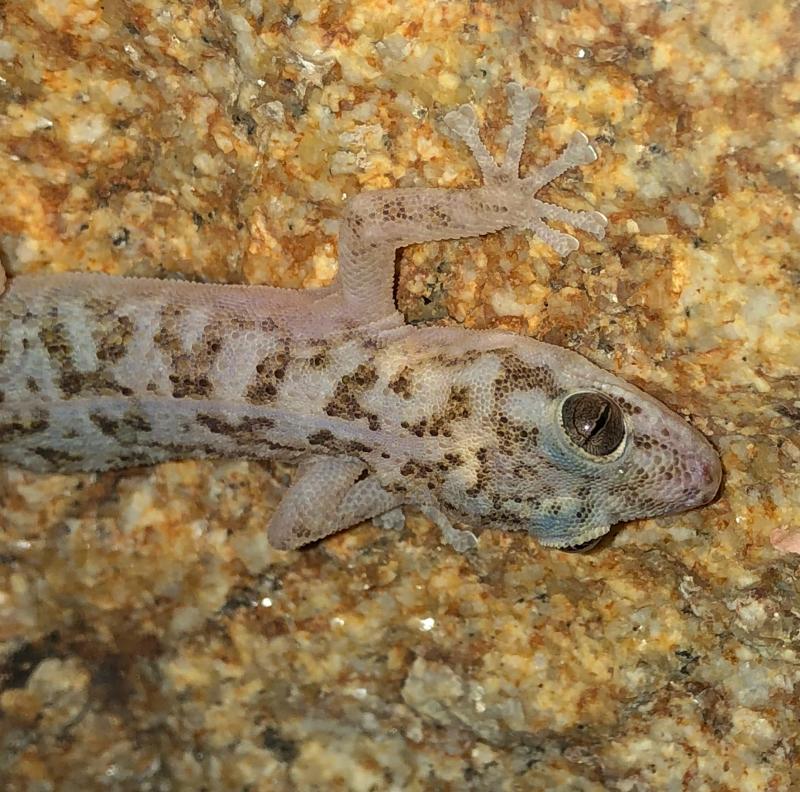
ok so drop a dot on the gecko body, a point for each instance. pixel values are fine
(477, 428)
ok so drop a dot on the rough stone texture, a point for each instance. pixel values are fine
(150, 637)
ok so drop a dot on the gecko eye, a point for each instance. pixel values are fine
(593, 422)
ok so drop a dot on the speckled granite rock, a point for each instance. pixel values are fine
(149, 637)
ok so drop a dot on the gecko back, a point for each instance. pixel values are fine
(99, 372)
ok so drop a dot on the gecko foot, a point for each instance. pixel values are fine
(461, 541)
(519, 192)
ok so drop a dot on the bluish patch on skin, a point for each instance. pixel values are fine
(562, 456)
(563, 521)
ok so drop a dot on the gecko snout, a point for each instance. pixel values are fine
(705, 473)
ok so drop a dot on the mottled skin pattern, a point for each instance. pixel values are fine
(474, 428)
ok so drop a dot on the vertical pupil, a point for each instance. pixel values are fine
(601, 420)
(592, 425)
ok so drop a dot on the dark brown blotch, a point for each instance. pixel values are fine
(516, 375)
(20, 426)
(106, 424)
(457, 361)
(402, 383)
(326, 439)
(457, 407)
(190, 370)
(250, 429)
(72, 382)
(627, 407)
(320, 359)
(270, 372)
(345, 400)
(483, 477)
(112, 331)
(323, 437)
(428, 473)
(136, 421)
(57, 457)
(513, 437)
(55, 341)
(112, 339)
(127, 430)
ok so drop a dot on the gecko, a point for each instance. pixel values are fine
(474, 428)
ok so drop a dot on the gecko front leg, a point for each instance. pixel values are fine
(330, 494)
(377, 223)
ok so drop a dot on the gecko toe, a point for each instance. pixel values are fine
(461, 120)
(579, 150)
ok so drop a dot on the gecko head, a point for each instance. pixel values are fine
(625, 457)
(571, 450)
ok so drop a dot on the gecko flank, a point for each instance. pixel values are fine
(475, 428)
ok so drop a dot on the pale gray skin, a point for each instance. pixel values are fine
(471, 427)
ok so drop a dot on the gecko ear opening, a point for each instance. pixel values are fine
(593, 423)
